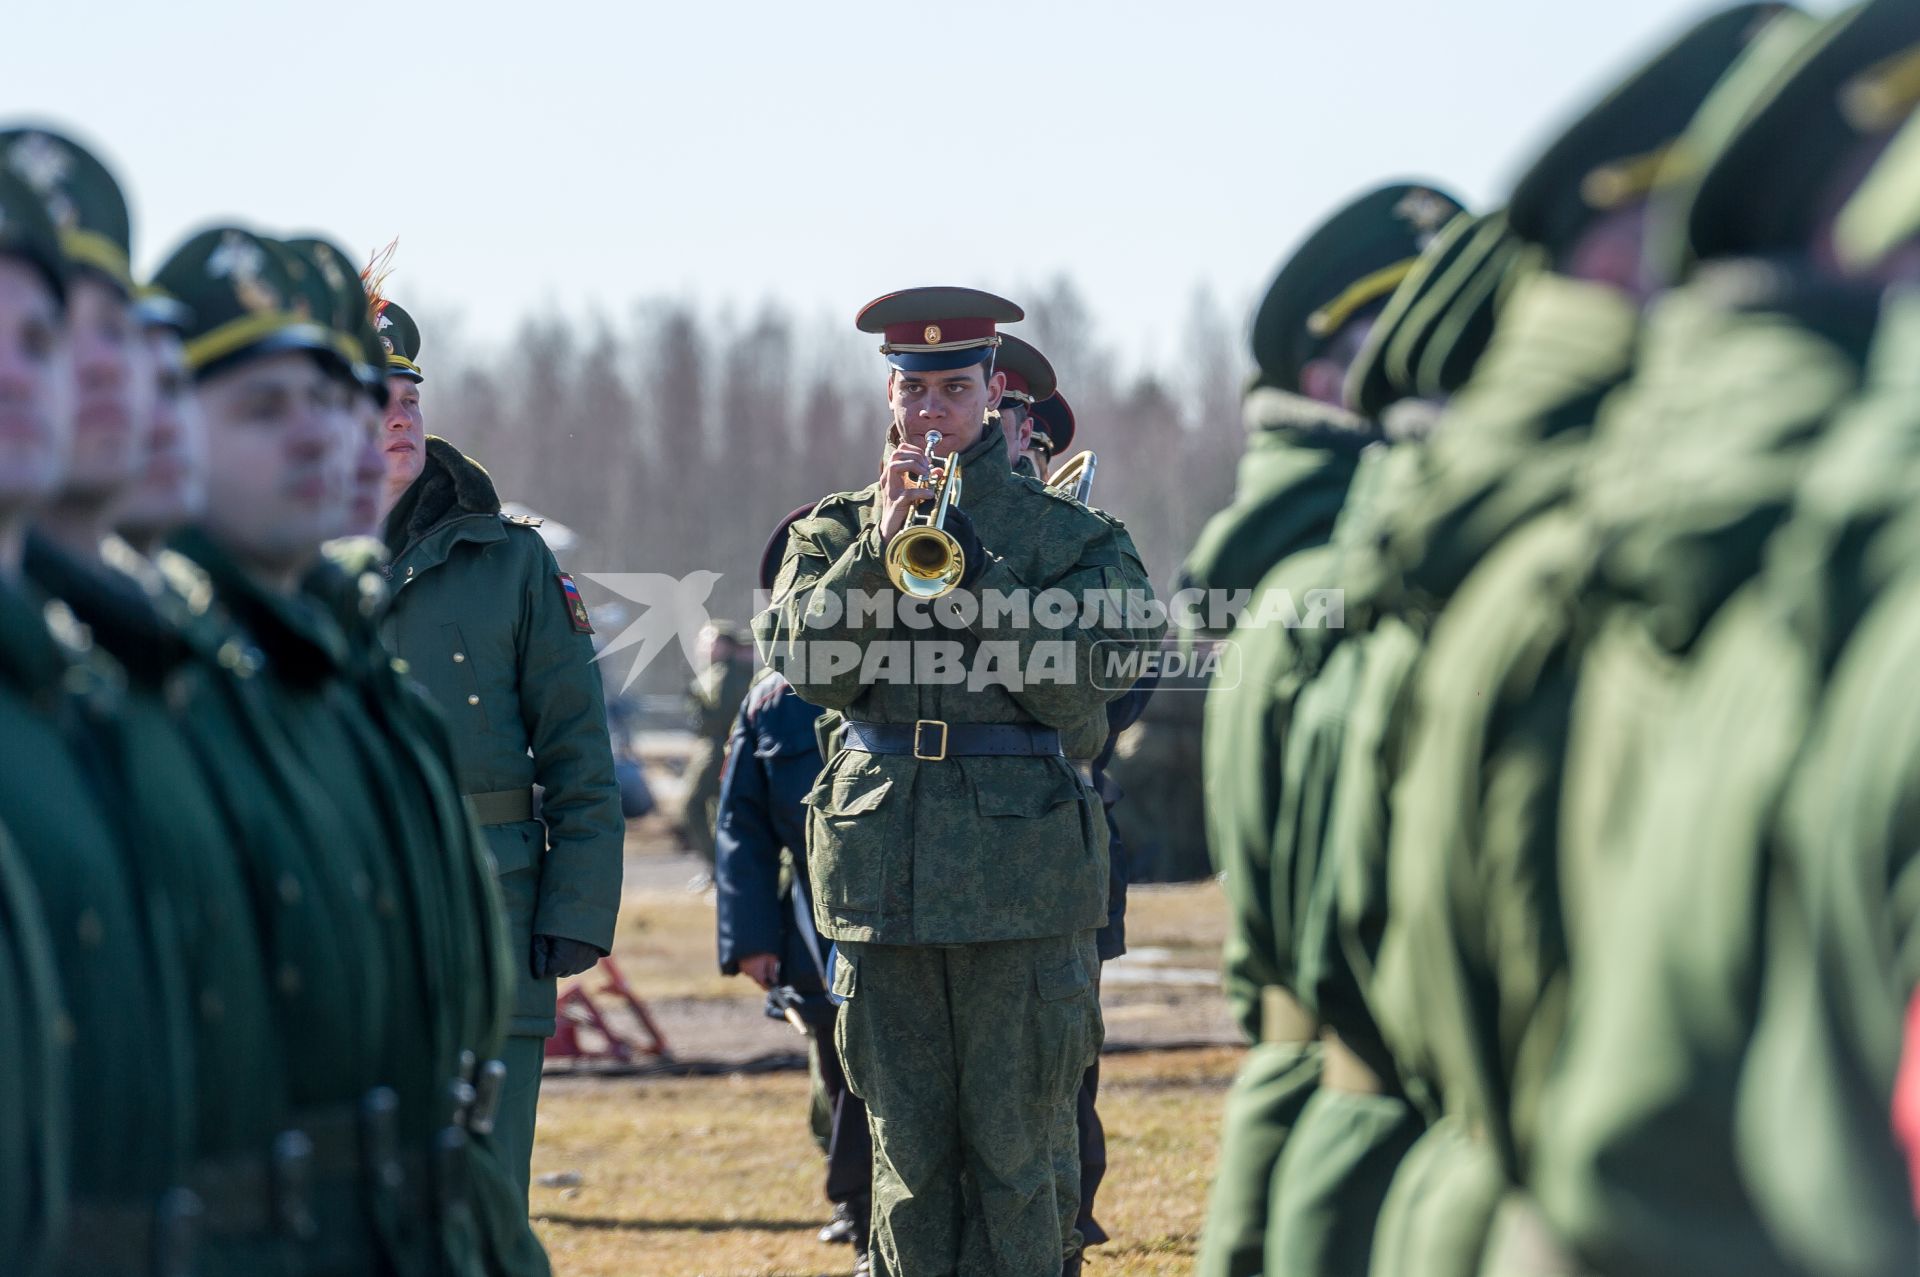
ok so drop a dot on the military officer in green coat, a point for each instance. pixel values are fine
(35, 1148)
(500, 639)
(1304, 449)
(116, 1172)
(959, 860)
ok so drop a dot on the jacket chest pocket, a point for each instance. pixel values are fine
(463, 704)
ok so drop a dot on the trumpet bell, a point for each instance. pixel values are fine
(925, 562)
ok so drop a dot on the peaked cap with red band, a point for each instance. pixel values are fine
(1029, 376)
(937, 329)
(1053, 423)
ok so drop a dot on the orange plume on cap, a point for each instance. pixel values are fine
(379, 267)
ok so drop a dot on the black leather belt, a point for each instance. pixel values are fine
(932, 740)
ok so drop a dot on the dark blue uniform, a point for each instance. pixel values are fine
(772, 761)
(773, 758)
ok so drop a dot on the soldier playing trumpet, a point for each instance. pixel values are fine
(959, 860)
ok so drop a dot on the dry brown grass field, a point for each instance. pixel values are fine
(717, 1176)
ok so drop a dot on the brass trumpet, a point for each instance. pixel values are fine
(923, 559)
(1075, 477)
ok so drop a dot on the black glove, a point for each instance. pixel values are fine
(960, 527)
(556, 957)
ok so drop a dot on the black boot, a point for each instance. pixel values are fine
(840, 1229)
(1071, 1267)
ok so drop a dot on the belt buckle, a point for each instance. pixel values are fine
(920, 726)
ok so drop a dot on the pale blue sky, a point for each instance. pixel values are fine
(582, 155)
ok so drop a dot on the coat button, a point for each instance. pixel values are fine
(473, 700)
(459, 658)
(409, 574)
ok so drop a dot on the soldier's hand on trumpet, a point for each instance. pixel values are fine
(906, 482)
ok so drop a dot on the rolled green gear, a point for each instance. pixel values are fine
(1439, 319)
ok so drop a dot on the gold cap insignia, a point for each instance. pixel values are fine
(932, 334)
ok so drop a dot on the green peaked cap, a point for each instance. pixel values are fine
(1352, 260)
(400, 337)
(1615, 152)
(28, 233)
(243, 299)
(1768, 171)
(80, 195)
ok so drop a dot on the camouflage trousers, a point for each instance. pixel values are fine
(969, 1058)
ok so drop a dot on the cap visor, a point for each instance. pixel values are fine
(296, 337)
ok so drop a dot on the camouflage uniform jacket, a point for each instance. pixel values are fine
(968, 849)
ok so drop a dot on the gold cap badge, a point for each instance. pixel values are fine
(932, 334)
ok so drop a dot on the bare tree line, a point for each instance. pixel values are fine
(675, 442)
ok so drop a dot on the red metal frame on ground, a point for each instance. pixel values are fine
(577, 1010)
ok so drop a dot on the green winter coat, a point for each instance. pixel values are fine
(468, 975)
(191, 846)
(482, 618)
(368, 868)
(33, 1118)
(1773, 1035)
(1508, 447)
(1292, 481)
(1299, 464)
(126, 1028)
(969, 849)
